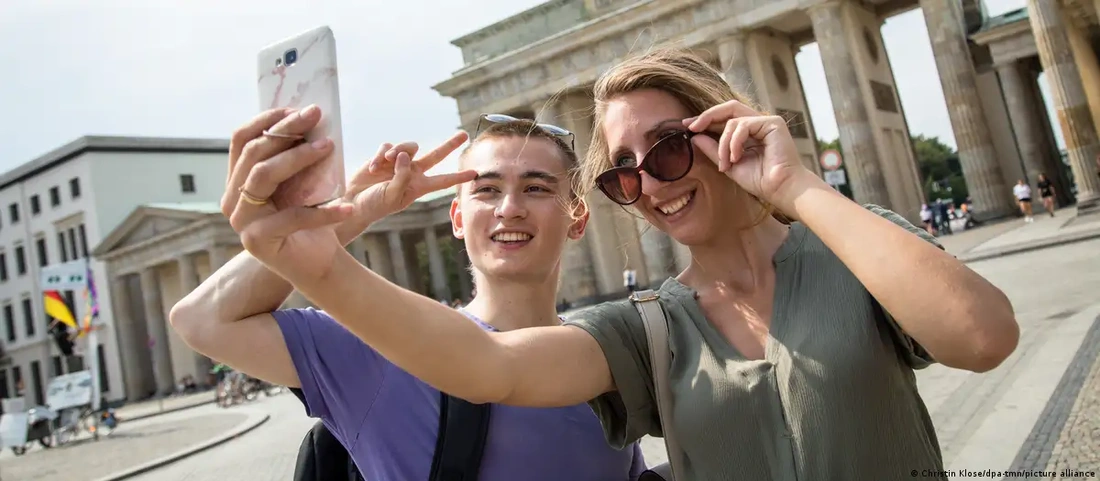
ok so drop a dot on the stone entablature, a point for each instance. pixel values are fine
(575, 57)
(530, 26)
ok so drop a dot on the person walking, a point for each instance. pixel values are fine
(1022, 191)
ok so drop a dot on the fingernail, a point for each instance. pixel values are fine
(307, 111)
(319, 144)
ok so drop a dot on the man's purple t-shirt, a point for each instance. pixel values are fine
(388, 420)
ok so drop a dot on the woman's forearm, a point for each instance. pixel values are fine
(240, 289)
(959, 317)
(425, 338)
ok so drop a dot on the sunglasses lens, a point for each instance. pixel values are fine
(621, 185)
(670, 159)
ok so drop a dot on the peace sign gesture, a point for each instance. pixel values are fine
(301, 243)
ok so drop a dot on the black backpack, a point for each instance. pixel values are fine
(463, 429)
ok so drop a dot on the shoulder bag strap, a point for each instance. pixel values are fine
(463, 431)
(660, 359)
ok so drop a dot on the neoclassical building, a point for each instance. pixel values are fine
(988, 68)
(542, 64)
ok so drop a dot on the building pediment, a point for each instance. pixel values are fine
(153, 221)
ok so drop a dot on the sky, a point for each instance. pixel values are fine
(187, 68)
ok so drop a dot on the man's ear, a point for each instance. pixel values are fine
(456, 219)
(580, 222)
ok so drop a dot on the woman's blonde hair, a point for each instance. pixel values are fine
(696, 84)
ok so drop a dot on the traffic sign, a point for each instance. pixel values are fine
(830, 160)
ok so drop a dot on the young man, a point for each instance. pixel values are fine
(515, 224)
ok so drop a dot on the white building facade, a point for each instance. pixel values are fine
(57, 208)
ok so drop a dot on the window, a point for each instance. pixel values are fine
(74, 187)
(9, 321)
(57, 369)
(20, 261)
(61, 246)
(13, 212)
(83, 241)
(72, 243)
(36, 207)
(104, 384)
(17, 378)
(187, 183)
(55, 196)
(3, 267)
(28, 316)
(36, 382)
(43, 256)
(4, 393)
(76, 363)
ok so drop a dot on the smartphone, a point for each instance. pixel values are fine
(296, 73)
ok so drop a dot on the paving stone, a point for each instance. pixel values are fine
(129, 446)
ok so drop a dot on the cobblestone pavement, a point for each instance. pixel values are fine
(1066, 440)
(1045, 286)
(129, 446)
(265, 453)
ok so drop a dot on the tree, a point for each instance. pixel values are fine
(940, 171)
(937, 164)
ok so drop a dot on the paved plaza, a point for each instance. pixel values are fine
(1038, 412)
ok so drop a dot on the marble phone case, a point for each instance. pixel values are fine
(310, 79)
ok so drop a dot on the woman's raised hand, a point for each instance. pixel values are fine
(301, 243)
(755, 150)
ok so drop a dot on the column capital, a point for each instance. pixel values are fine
(732, 36)
(822, 4)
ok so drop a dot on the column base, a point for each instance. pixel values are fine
(1088, 206)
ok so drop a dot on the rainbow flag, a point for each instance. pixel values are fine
(91, 301)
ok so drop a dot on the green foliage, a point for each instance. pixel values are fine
(938, 165)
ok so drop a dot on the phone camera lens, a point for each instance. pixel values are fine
(290, 57)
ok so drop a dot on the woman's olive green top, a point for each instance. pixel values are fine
(835, 397)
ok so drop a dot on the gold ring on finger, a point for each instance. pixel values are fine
(251, 199)
(283, 136)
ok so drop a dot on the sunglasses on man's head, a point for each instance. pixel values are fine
(668, 160)
(548, 128)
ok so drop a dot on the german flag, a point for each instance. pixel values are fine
(56, 308)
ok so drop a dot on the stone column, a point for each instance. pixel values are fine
(131, 339)
(379, 256)
(853, 122)
(1068, 95)
(984, 180)
(734, 57)
(189, 280)
(1022, 114)
(158, 331)
(435, 266)
(217, 257)
(397, 256)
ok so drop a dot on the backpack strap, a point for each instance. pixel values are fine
(660, 359)
(463, 429)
